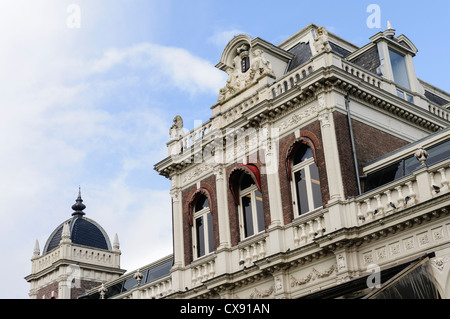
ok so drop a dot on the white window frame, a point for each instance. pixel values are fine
(201, 213)
(306, 165)
(409, 87)
(242, 193)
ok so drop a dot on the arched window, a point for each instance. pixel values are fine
(251, 214)
(202, 230)
(305, 180)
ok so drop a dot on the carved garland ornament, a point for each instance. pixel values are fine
(314, 274)
(256, 294)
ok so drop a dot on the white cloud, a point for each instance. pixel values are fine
(175, 66)
(221, 38)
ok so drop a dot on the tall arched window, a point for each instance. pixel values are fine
(305, 180)
(251, 214)
(202, 230)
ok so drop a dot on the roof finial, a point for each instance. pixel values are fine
(389, 32)
(116, 245)
(78, 206)
(389, 26)
(36, 250)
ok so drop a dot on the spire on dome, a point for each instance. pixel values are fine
(78, 207)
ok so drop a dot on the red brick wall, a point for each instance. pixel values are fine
(74, 293)
(47, 291)
(370, 143)
(85, 285)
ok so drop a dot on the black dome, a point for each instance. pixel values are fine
(83, 231)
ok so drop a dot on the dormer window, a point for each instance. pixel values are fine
(399, 69)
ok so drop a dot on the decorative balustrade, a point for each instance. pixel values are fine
(81, 254)
(202, 272)
(362, 74)
(308, 230)
(157, 289)
(194, 136)
(439, 181)
(403, 193)
(84, 254)
(439, 111)
(47, 260)
(290, 80)
(252, 251)
(387, 201)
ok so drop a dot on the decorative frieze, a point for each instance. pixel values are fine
(313, 275)
(196, 172)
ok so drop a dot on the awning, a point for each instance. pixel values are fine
(414, 282)
(409, 280)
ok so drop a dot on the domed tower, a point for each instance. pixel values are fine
(76, 257)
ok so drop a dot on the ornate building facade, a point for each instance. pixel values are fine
(323, 172)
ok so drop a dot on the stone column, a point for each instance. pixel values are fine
(222, 206)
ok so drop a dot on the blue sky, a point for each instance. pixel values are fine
(92, 106)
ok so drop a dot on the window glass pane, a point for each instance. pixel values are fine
(114, 290)
(302, 196)
(210, 233)
(248, 218)
(129, 284)
(438, 153)
(315, 185)
(201, 203)
(199, 228)
(246, 181)
(400, 94)
(409, 98)
(302, 153)
(411, 164)
(259, 211)
(158, 271)
(384, 176)
(399, 69)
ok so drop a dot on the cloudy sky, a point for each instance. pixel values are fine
(89, 89)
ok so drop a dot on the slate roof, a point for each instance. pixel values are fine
(83, 231)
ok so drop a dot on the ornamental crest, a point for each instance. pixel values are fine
(248, 66)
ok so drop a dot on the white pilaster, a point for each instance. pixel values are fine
(222, 207)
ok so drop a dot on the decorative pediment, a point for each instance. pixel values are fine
(247, 60)
(247, 67)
